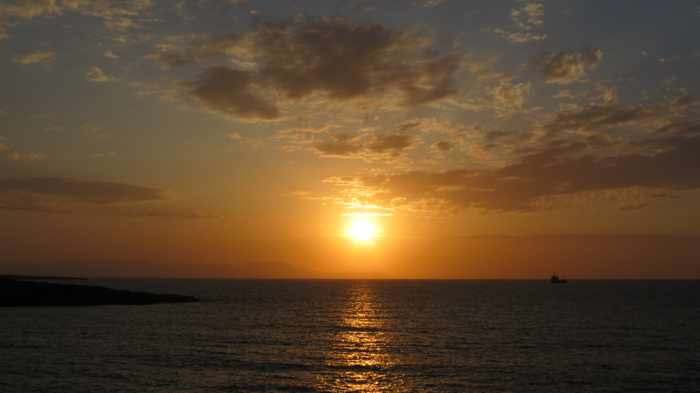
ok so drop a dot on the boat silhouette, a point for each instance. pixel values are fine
(556, 280)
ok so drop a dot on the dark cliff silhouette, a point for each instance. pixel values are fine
(17, 293)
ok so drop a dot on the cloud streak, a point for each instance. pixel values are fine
(567, 67)
(82, 190)
(43, 57)
(73, 196)
(369, 145)
(97, 75)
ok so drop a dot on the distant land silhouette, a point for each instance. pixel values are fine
(25, 291)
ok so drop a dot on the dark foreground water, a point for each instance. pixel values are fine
(371, 336)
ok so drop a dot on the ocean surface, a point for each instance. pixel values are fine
(364, 336)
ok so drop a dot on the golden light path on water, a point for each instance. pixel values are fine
(361, 348)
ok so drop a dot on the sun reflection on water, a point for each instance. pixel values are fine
(359, 354)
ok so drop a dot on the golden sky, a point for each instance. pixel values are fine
(361, 138)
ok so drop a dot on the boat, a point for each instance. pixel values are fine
(556, 280)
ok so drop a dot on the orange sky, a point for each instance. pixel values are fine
(486, 139)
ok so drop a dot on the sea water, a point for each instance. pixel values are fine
(364, 336)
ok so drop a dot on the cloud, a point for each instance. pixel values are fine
(332, 58)
(121, 24)
(238, 138)
(115, 14)
(667, 160)
(9, 153)
(340, 146)
(161, 211)
(443, 145)
(520, 37)
(95, 74)
(526, 20)
(110, 55)
(43, 57)
(233, 92)
(430, 3)
(19, 156)
(391, 143)
(605, 95)
(81, 190)
(22, 202)
(495, 92)
(529, 15)
(72, 196)
(600, 118)
(368, 145)
(234, 136)
(510, 97)
(29, 9)
(568, 66)
(9, 12)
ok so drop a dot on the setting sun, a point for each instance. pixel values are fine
(362, 230)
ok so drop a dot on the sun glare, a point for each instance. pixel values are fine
(362, 230)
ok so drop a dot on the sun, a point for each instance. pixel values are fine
(362, 230)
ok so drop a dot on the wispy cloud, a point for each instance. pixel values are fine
(41, 57)
(430, 3)
(526, 21)
(110, 55)
(10, 153)
(96, 74)
(82, 190)
(115, 14)
(568, 66)
(364, 144)
(368, 145)
(74, 196)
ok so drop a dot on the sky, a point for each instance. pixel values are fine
(246, 138)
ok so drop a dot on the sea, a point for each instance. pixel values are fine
(363, 336)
